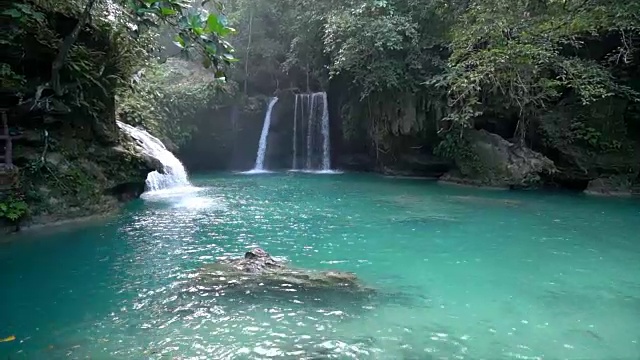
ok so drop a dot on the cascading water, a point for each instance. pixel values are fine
(326, 155)
(262, 146)
(310, 125)
(294, 164)
(175, 174)
(318, 154)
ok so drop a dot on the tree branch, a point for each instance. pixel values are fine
(65, 46)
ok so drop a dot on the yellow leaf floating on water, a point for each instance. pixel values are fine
(8, 338)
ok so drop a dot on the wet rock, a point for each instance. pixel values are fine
(356, 162)
(616, 185)
(588, 164)
(417, 165)
(258, 268)
(498, 163)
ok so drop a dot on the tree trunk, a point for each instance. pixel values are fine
(64, 48)
(246, 58)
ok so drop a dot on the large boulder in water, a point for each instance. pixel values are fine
(258, 269)
(493, 161)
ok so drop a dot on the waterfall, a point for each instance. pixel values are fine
(317, 155)
(175, 174)
(294, 163)
(262, 146)
(326, 155)
(310, 124)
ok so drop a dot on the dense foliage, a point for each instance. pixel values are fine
(527, 55)
(460, 63)
(167, 99)
(77, 45)
(561, 76)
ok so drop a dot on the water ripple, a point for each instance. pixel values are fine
(451, 282)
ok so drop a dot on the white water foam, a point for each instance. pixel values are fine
(262, 146)
(175, 178)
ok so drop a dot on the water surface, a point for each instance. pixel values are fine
(459, 273)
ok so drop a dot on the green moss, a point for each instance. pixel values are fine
(455, 146)
(167, 99)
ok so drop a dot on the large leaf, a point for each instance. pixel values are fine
(214, 25)
(14, 13)
(230, 58)
(164, 11)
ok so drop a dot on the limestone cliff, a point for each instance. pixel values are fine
(69, 158)
(65, 171)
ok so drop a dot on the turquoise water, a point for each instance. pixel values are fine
(460, 274)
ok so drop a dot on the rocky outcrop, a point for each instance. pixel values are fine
(421, 165)
(257, 269)
(495, 162)
(64, 177)
(71, 159)
(615, 185)
(594, 147)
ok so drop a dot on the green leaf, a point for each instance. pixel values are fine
(179, 41)
(213, 25)
(14, 13)
(210, 49)
(164, 11)
(206, 62)
(38, 16)
(26, 8)
(142, 11)
(230, 58)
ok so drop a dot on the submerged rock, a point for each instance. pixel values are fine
(258, 268)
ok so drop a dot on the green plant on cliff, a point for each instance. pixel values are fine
(166, 99)
(13, 209)
(129, 29)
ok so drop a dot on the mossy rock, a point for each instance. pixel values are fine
(495, 162)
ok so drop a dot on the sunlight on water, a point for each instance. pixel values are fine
(458, 274)
(175, 192)
(255, 171)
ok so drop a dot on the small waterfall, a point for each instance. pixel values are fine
(262, 146)
(326, 155)
(316, 118)
(310, 125)
(175, 174)
(294, 163)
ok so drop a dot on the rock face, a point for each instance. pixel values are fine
(78, 176)
(615, 185)
(258, 269)
(495, 162)
(595, 147)
(422, 165)
(72, 160)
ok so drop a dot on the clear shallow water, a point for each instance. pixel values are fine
(460, 273)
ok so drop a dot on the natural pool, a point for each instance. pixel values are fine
(460, 273)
